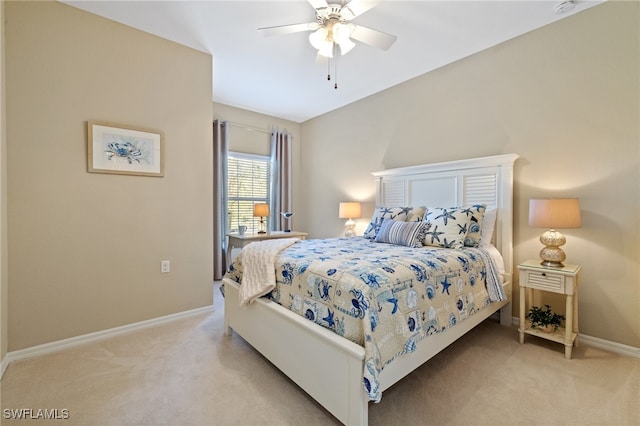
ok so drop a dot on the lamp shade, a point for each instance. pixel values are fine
(349, 210)
(554, 213)
(261, 210)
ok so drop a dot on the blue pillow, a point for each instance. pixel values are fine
(410, 234)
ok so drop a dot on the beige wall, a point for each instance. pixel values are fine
(564, 97)
(245, 137)
(85, 248)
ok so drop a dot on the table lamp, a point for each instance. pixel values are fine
(350, 211)
(554, 213)
(261, 210)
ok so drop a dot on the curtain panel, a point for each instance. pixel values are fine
(220, 149)
(281, 180)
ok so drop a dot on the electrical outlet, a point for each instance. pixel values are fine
(165, 266)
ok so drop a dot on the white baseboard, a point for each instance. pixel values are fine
(607, 345)
(93, 337)
(610, 346)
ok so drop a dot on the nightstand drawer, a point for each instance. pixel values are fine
(545, 281)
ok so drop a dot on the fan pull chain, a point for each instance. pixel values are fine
(335, 66)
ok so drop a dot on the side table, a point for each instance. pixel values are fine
(238, 241)
(562, 280)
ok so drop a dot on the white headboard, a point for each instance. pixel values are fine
(485, 180)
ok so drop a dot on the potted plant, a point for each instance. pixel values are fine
(544, 318)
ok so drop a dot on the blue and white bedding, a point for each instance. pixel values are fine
(384, 297)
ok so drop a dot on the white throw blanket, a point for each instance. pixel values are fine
(258, 267)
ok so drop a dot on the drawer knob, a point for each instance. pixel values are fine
(544, 274)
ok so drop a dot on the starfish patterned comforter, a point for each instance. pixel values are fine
(383, 297)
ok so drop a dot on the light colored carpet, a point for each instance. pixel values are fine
(189, 373)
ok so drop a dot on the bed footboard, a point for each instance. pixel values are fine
(269, 328)
(299, 348)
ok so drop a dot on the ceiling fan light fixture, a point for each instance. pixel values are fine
(326, 50)
(346, 46)
(341, 35)
(341, 32)
(318, 38)
(322, 40)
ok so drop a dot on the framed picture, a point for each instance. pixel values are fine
(124, 150)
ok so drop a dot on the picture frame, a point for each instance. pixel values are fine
(124, 150)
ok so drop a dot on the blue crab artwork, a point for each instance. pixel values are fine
(126, 150)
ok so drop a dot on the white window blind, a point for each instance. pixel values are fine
(248, 183)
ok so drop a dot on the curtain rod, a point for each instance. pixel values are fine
(250, 128)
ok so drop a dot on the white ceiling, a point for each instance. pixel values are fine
(279, 76)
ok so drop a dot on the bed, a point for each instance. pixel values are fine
(358, 371)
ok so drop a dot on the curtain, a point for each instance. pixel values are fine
(281, 180)
(220, 148)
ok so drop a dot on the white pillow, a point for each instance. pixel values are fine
(488, 225)
(416, 214)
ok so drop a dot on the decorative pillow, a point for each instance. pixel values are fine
(416, 214)
(488, 225)
(448, 227)
(381, 213)
(476, 215)
(410, 234)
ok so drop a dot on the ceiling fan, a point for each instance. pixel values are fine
(333, 28)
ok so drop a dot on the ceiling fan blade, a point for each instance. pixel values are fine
(318, 4)
(357, 7)
(373, 38)
(288, 29)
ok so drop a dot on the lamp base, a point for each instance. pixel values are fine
(350, 228)
(552, 264)
(552, 255)
(262, 229)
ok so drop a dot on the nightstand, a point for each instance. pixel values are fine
(562, 280)
(239, 241)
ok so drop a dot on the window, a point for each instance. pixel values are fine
(248, 182)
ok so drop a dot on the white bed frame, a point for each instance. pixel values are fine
(269, 327)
